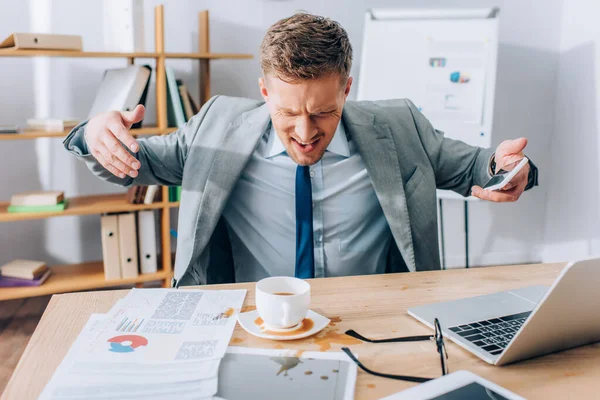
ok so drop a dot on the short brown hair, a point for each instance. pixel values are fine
(306, 46)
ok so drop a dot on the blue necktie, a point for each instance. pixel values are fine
(305, 256)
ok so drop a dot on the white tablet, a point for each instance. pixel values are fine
(458, 385)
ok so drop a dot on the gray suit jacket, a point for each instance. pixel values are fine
(406, 158)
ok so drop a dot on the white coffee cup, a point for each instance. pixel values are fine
(282, 301)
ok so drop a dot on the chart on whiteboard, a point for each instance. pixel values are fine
(455, 81)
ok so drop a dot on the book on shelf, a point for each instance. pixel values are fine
(143, 194)
(175, 114)
(6, 281)
(9, 129)
(23, 269)
(185, 100)
(38, 209)
(39, 198)
(174, 194)
(51, 124)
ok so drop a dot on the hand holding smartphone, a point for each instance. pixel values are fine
(504, 176)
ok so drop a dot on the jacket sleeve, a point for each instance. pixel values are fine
(162, 157)
(457, 165)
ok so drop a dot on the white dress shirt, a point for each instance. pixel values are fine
(351, 234)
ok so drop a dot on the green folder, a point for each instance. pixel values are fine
(38, 209)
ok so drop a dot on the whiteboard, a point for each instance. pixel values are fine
(444, 61)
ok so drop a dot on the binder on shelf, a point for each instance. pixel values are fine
(110, 246)
(124, 25)
(147, 241)
(122, 89)
(128, 248)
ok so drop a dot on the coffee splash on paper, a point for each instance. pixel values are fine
(286, 363)
(228, 313)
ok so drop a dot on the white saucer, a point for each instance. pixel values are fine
(247, 319)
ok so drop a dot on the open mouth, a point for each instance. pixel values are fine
(305, 147)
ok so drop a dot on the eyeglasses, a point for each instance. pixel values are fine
(439, 341)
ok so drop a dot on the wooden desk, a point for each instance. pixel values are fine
(373, 305)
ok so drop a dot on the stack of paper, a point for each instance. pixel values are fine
(154, 343)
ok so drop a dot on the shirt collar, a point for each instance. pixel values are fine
(338, 145)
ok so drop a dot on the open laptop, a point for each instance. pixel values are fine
(510, 326)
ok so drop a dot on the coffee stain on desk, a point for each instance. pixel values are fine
(306, 325)
(248, 308)
(371, 385)
(324, 340)
(334, 320)
(236, 340)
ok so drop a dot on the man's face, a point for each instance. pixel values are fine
(306, 114)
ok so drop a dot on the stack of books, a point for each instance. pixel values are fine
(47, 201)
(23, 273)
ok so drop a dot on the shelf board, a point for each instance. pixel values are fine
(85, 205)
(104, 54)
(70, 53)
(209, 56)
(36, 134)
(75, 277)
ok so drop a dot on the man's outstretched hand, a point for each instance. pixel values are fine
(507, 152)
(107, 133)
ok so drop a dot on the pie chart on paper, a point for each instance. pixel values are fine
(126, 343)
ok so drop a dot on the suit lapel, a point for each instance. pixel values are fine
(377, 148)
(237, 145)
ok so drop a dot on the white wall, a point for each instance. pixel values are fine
(572, 227)
(525, 94)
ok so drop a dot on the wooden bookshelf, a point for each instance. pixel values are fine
(36, 134)
(90, 275)
(100, 54)
(75, 277)
(86, 205)
(209, 56)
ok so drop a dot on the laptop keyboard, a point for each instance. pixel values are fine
(492, 335)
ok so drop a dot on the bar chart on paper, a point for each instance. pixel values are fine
(128, 325)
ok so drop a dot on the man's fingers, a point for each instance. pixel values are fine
(103, 161)
(124, 136)
(131, 117)
(119, 152)
(515, 146)
(116, 162)
(496, 196)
